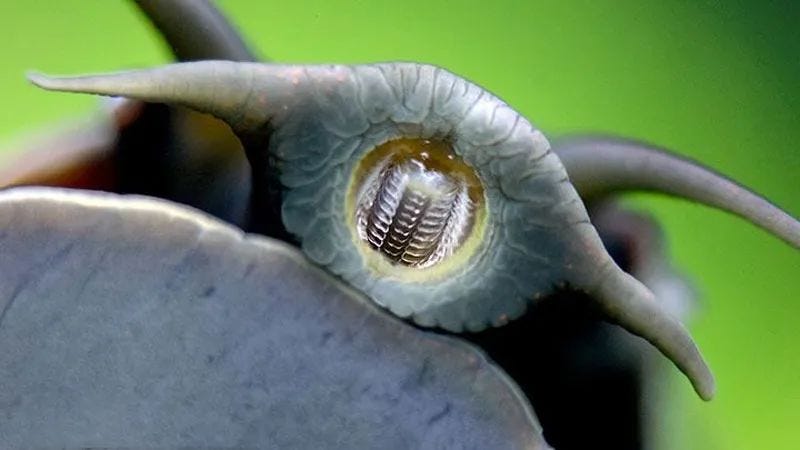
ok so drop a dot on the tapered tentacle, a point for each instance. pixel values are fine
(601, 166)
(245, 95)
(323, 119)
(196, 30)
(630, 304)
(176, 145)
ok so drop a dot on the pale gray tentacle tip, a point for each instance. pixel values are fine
(102, 84)
(67, 83)
(630, 304)
(43, 81)
(37, 78)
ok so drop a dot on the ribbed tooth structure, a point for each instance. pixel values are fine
(413, 215)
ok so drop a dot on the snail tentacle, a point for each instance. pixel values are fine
(378, 162)
(220, 88)
(629, 303)
(603, 166)
(196, 30)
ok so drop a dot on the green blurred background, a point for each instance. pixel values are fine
(719, 81)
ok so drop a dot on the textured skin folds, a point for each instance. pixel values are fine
(539, 226)
(538, 236)
(128, 322)
(434, 104)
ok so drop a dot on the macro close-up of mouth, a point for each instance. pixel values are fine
(399, 225)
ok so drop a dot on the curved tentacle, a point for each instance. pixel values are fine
(222, 88)
(602, 166)
(196, 30)
(633, 306)
(529, 183)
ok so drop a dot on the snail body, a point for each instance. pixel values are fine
(504, 155)
(425, 191)
(317, 123)
(462, 237)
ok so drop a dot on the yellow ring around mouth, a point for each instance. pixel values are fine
(415, 209)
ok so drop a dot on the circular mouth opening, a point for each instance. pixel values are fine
(415, 202)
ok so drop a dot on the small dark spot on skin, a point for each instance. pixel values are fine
(440, 415)
(249, 269)
(424, 375)
(211, 358)
(189, 401)
(326, 336)
(209, 291)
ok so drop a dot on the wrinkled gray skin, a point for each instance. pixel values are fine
(538, 235)
(624, 166)
(120, 315)
(179, 351)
